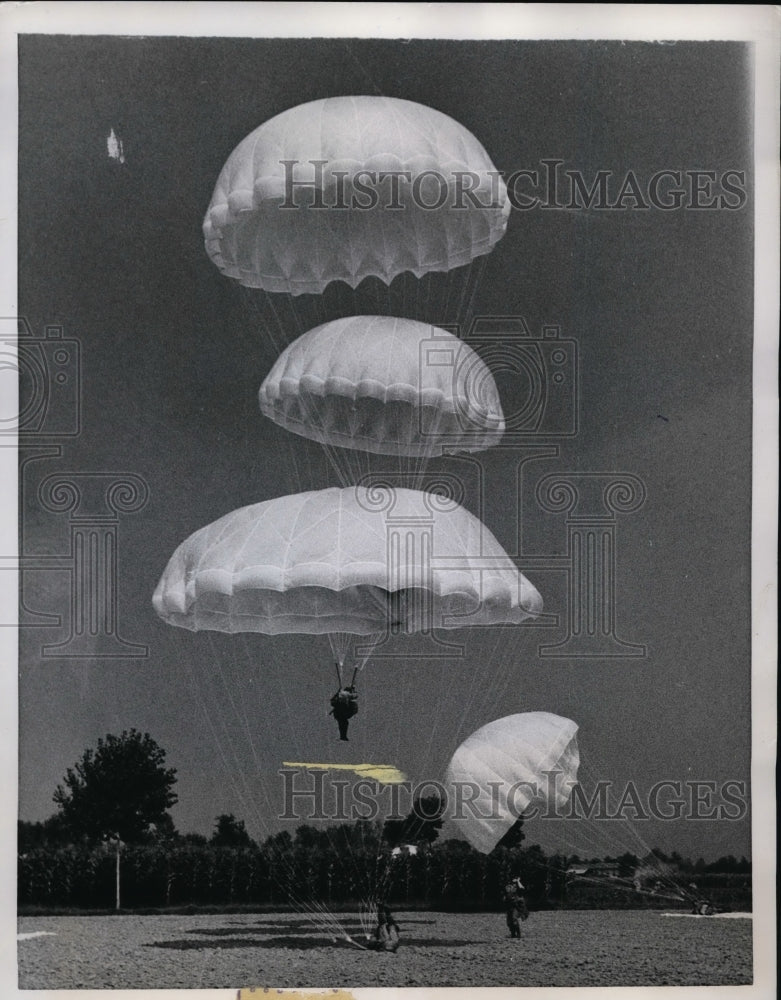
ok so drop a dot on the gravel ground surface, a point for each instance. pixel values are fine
(571, 948)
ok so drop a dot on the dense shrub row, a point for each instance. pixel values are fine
(189, 874)
(446, 875)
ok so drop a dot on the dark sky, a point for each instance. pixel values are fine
(172, 353)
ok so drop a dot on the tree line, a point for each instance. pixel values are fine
(113, 814)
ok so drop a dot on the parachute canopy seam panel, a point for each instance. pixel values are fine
(401, 403)
(511, 751)
(245, 573)
(300, 249)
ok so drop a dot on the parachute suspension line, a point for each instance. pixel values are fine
(445, 321)
(504, 649)
(206, 704)
(628, 827)
(371, 641)
(318, 913)
(675, 891)
(340, 646)
(632, 843)
(458, 318)
(345, 462)
(426, 315)
(489, 692)
(344, 644)
(488, 699)
(426, 757)
(293, 307)
(474, 280)
(320, 311)
(279, 342)
(320, 916)
(440, 282)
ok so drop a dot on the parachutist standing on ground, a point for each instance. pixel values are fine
(344, 705)
(516, 908)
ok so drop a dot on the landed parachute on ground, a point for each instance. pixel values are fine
(511, 763)
(329, 561)
(384, 385)
(345, 188)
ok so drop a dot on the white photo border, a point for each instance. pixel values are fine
(756, 24)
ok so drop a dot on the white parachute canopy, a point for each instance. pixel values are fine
(384, 385)
(511, 763)
(348, 560)
(349, 187)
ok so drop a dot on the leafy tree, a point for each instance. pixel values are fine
(729, 863)
(309, 838)
(455, 847)
(657, 853)
(230, 832)
(627, 864)
(278, 843)
(422, 826)
(52, 832)
(120, 789)
(164, 830)
(196, 839)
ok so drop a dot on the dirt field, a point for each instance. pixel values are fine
(570, 948)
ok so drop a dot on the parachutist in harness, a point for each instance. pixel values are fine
(344, 704)
(701, 907)
(515, 906)
(386, 934)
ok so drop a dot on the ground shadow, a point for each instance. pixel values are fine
(296, 943)
(350, 923)
(289, 942)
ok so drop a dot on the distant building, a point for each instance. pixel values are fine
(604, 869)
